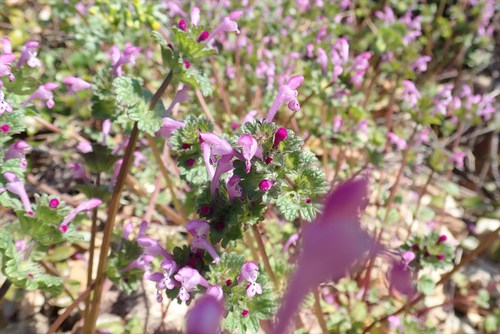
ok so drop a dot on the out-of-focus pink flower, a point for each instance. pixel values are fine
(189, 278)
(423, 136)
(399, 142)
(119, 58)
(205, 316)
(337, 123)
(15, 186)
(458, 159)
(20, 246)
(407, 257)
(17, 151)
(322, 59)
(335, 231)
(44, 92)
(164, 280)
(6, 45)
(420, 64)
(216, 291)
(387, 15)
(359, 67)
(265, 185)
(79, 172)
(28, 55)
(249, 117)
(286, 94)
(394, 323)
(228, 24)
(195, 16)
(291, 241)
(410, 94)
(199, 229)
(180, 97)
(443, 99)
(83, 207)
(4, 105)
(400, 278)
(106, 129)
(84, 146)
(250, 272)
(169, 126)
(486, 107)
(74, 84)
(6, 60)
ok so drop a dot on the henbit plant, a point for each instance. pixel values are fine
(374, 98)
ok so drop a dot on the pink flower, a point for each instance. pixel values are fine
(443, 99)
(53, 203)
(216, 291)
(6, 59)
(17, 151)
(458, 159)
(407, 257)
(83, 207)
(442, 239)
(423, 137)
(291, 241)
(74, 84)
(164, 280)
(195, 16)
(280, 135)
(182, 25)
(410, 94)
(400, 278)
(265, 185)
(28, 55)
(233, 188)
(399, 142)
(394, 323)
(189, 278)
(337, 123)
(205, 317)
(228, 24)
(322, 59)
(106, 129)
(169, 126)
(180, 97)
(4, 105)
(286, 94)
(15, 186)
(44, 92)
(359, 67)
(250, 272)
(249, 117)
(6, 45)
(79, 172)
(118, 58)
(199, 229)
(420, 64)
(335, 231)
(249, 148)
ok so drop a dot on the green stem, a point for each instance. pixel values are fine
(114, 205)
(263, 254)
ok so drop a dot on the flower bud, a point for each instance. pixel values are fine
(203, 36)
(279, 136)
(442, 238)
(265, 185)
(53, 203)
(245, 312)
(182, 25)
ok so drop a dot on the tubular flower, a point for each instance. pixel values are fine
(169, 126)
(28, 55)
(4, 105)
(74, 84)
(250, 272)
(44, 92)
(164, 280)
(228, 24)
(17, 151)
(286, 94)
(83, 207)
(205, 317)
(399, 142)
(420, 64)
(119, 58)
(15, 186)
(249, 148)
(410, 94)
(233, 187)
(199, 229)
(180, 97)
(189, 279)
(6, 59)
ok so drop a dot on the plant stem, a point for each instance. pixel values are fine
(263, 254)
(53, 328)
(93, 232)
(419, 202)
(319, 312)
(483, 244)
(114, 205)
(5, 288)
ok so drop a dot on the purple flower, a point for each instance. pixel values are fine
(443, 99)
(410, 94)
(228, 24)
(4, 105)
(336, 231)
(458, 158)
(74, 84)
(216, 291)
(106, 129)
(189, 278)
(28, 55)
(44, 92)
(420, 64)
(203, 36)
(400, 278)
(291, 241)
(394, 323)
(199, 229)
(359, 67)
(15, 186)
(6, 60)
(6, 45)
(250, 272)
(17, 151)
(164, 280)
(322, 59)
(486, 108)
(286, 94)
(399, 142)
(423, 137)
(83, 207)
(407, 257)
(118, 58)
(169, 126)
(337, 123)
(195, 15)
(280, 135)
(182, 25)
(20, 246)
(84, 146)
(249, 117)
(205, 316)
(265, 185)
(180, 97)
(233, 187)
(249, 148)
(79, 172)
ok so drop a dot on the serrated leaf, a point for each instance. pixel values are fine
(426, 285)
(194, 78)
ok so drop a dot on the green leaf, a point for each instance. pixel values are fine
(426, 285)
(491, 323)
(193, 77)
